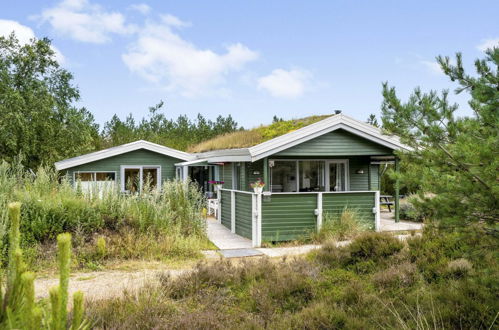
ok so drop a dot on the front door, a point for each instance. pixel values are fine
(338, 175)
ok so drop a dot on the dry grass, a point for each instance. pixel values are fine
(238, 139)
(249, 138)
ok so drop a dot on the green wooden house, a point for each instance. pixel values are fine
(319, 169)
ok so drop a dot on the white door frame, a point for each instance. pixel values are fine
(347, 172)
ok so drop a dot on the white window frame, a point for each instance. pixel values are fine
(94, 177)
(236, 180)
(347, 172)
(326, 170)
(141, 169)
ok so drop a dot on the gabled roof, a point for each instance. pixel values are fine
(118, 150)
(304, 134)
(324, 126)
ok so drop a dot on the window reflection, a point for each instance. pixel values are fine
(284, 176)
(311, 175)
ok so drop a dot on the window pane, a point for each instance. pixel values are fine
(132, 179)
(236, 178)
(84, 177)
(283, 176)
(150, 177)
(311, 175)
(337, 177)
(103, 176)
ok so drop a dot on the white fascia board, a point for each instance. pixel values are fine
(191, 162)
(223, 159)
(118, 150)
(223, 152)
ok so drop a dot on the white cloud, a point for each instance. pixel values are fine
(84, 21)
(285, 84)
(433, 67)
(173, 21)
(142, 8)
(161, 55)
(24, 34)
(488, 43)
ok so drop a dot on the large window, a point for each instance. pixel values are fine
(311, 175)
(308, 175)
(284, 176)
(94, 176)
(94, 182)
(137, 178)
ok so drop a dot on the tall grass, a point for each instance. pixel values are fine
(340, 227)
(52, 206)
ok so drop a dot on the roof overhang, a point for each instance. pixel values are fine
(322, 127)
(118, 150)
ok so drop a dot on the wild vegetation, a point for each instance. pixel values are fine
(455, 160)
(251, 137)
(438, 280)
(340, 227)
(152, 226)
(19, 310)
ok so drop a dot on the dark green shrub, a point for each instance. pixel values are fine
(374, 246)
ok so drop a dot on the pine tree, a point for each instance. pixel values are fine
(454, 159)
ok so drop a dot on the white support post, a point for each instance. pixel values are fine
(185, 173)
(377, 212)
(219, 211)
(233, 211)
(319, 211)
(254, 220)
(259, 220)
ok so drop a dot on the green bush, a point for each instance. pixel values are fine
(374, 246)
(409, 211)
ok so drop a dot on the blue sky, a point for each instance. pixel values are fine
(253, 59)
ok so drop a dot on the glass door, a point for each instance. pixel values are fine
(338, 174)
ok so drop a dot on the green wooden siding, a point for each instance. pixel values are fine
(243, 214)
(362, 203)
(226, 206)
(226, 175)
(374, 180)
(359, 181)
(336, 143)
(137, 157)
(288, 216)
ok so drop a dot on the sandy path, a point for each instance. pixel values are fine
(104, 284)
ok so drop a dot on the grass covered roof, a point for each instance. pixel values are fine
(254, 136)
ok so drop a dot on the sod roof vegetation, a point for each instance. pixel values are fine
(251, 137)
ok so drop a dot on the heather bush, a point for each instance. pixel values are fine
(332, 288)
